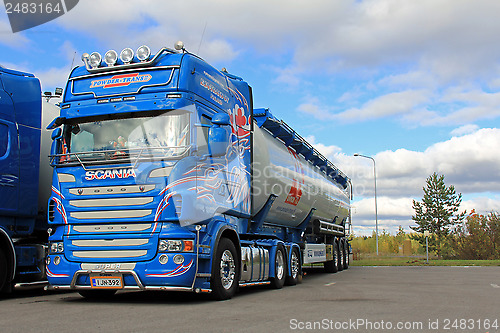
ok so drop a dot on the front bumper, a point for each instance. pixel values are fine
(150, 275)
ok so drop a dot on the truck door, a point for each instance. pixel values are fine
(9, 157)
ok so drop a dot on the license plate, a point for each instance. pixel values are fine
(107, 282)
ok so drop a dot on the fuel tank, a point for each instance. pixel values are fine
(298, 184)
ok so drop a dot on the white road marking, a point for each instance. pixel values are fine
(330, 284)
(495, 285)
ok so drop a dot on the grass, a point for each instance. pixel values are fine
(419, 261)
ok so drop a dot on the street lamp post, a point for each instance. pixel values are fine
(375, 181)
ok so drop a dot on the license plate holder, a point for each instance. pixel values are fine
(106, 282)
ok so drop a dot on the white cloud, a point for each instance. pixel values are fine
(10, 39)
(465, 129)
(323, 149)
(469, 162)
(453, 38)
(392, 104)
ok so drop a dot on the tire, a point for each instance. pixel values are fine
(295, 268)
(346, 253)
(3, 270)
(225, 271)
(341, 256)
(331, 266)
(97, 294)
(280, 269)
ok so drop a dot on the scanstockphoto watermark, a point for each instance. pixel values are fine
(360, 324)
(31, 13)
(355, 324)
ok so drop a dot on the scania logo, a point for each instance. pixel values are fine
(109, 173)
(121, 80)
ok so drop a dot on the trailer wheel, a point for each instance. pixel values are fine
(225, 271)
(295, 268)
(278, 280)
(346, 254)
(3, 270)
(341, 254)
(331, 266)
(97, 294)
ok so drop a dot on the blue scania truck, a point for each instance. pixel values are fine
(167, 178)
(25, 180)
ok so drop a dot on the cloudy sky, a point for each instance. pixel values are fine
(414, 84)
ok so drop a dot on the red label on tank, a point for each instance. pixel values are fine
(295, 193)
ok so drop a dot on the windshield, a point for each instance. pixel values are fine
(165, 135)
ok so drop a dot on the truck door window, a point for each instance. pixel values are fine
(202, 135)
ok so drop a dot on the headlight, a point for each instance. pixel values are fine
(56, 247)
(111, 57)
(95, 60)
(127, 55)
(175, 245)
(143, 53)
(162, 245)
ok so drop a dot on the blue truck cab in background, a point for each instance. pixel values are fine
(167, 178)
(23, 198)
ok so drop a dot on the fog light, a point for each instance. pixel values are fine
(178, 259)
(47, 260)
(57, 260)
(163, 259)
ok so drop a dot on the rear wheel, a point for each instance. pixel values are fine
(278, 280)
(225, 271)
(341, 256)
(97, 294)
(346, 253)
(295, 268)
(331, 266)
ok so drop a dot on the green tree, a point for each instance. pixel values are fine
(437, 213)
(479, 238)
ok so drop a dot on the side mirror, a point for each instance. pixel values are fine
(57, 133)
(56, 137)
(218, 140)
(221, 119)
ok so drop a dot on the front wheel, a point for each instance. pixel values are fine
(225, 271)
(3, 270)
(278, 280)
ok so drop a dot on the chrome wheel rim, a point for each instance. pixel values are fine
(280, 265)
(295, 265)
(227, 269)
